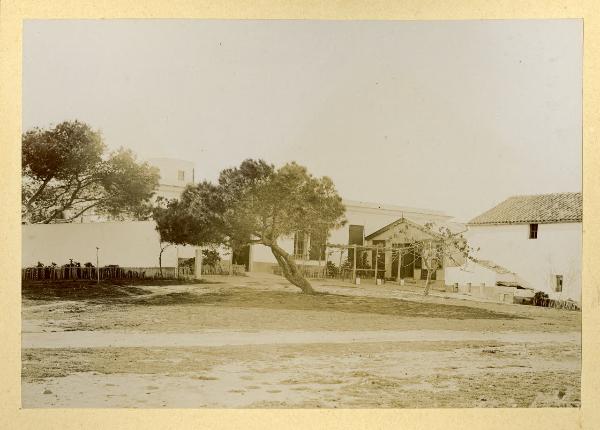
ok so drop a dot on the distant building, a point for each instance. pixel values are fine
(536, 238)
(175, 174)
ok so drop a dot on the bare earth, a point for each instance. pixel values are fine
(256, 342)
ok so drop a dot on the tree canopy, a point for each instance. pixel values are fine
(254, 203)
(66, 172)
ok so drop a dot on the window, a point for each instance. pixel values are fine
(533, 231)
(559, 283)
(356, 234)
(181, 175)
(299, 245)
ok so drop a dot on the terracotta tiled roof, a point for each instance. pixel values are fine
(542, 208)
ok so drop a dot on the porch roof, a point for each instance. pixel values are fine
(432, 228)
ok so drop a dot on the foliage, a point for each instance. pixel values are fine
(210, 257)
(254, 203)
(66, 172)
(362, 263)
(540, 299)
(332, 270)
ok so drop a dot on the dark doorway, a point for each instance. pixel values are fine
(242, 257)
(424, 275)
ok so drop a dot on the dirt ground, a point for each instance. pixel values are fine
(256, 342)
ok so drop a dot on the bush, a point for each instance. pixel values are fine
(540, 299)
(210, 257)
(332, 270)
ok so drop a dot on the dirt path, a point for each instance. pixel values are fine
(246, 342)
(96, 339)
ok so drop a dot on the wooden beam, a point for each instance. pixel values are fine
(376, 261)
(340, 267)
(399, 264)
(354, 264)
(383, 248)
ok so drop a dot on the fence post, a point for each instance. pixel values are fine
(376, 264)
(97, 267)
(399, 264)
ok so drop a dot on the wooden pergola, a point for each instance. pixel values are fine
(376, 248)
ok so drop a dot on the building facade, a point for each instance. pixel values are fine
(538, 238)
(362, 218)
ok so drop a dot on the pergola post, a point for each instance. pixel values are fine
(354, 264)
(341, 257)
(376, 263)
(399, 264)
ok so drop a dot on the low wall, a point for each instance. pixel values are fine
(491, 292)
(123, 243)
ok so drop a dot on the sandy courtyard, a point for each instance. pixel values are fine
(252, 342)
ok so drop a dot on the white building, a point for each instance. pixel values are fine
(175, 174)
(536, 238)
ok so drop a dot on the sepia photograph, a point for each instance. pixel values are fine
(301, 214)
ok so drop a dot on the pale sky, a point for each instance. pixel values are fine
(455, 116)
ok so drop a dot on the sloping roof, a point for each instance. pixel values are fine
(433, 230)
(541, 208)
(355, 204)
(493, 266)
(506, 277)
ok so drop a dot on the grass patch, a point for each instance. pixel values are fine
(89, 290)
(110, 293)
(184, 298)
(244, 298)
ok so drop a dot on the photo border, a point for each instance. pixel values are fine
(12, 14)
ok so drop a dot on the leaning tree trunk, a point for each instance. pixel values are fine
(290, 269)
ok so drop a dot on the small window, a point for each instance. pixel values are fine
(181, 175)
(533, 231)
(559, 283)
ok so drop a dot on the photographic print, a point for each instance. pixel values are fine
(301, 214)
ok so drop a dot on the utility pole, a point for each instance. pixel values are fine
(97, 268)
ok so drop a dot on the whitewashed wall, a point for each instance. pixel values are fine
(470, 273)
(129, 244)
(556, 251)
